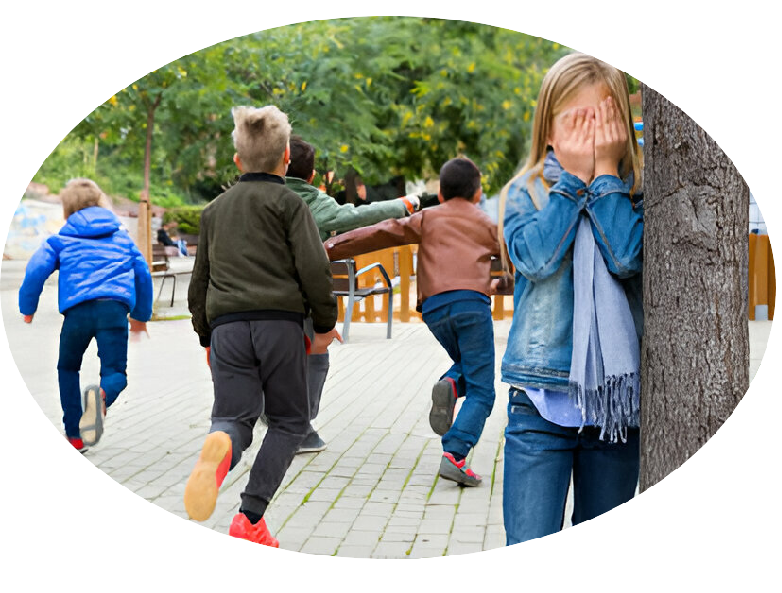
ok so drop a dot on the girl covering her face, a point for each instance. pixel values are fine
(574, 236)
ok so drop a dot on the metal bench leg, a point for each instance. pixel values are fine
(160, 292)
(173, 292)
(348, 318)
(390, 312)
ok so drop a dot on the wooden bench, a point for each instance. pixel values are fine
(161, 268)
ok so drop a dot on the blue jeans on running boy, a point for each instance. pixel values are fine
(539, 459)
(466, 331)
(106, 320)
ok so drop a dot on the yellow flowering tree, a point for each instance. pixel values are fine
(386, 96)
(377, 96)
(479, 96)
(165, 122)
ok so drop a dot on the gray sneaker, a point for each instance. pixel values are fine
(312, 443)
(443, 404)
(91, 422)
(457, 471)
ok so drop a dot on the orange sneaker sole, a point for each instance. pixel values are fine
(207, 476)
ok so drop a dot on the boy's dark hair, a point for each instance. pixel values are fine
(459, 178)
(302, 159)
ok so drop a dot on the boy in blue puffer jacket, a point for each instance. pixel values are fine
(103, 277)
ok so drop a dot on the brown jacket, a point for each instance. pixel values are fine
(457, 242)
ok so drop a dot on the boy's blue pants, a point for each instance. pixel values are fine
(466, 331)
(106, 320)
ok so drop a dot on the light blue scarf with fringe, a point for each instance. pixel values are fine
(605, 376)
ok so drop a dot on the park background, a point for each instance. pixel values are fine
(93, 157)
(383, 99)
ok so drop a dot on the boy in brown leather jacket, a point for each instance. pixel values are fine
(457, 242)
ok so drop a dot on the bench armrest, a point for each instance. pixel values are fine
(372, 267)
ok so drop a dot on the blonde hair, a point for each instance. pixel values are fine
(260, 137)
(81, 193)
(564, 79)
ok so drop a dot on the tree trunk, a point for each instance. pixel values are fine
(695, 365)
(148, 148)
(145, 210)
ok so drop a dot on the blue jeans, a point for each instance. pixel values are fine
(105, 320)
(539, 459)
(465, 330)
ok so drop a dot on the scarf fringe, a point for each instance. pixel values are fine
(614, 406)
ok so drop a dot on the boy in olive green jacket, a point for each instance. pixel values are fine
(260, 270)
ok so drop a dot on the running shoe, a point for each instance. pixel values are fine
(457, 471)
(242, 528)
(207, 476)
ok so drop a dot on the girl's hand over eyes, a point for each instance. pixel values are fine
(574, 142)
(610, 138)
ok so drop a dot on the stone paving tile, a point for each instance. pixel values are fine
(374, 492)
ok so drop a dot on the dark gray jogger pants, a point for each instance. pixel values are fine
(257, 364)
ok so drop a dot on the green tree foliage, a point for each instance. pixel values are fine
(180, 103)
(382, 95)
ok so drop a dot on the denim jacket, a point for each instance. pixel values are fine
(540, 245)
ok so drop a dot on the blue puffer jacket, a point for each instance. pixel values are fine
(96, 259)
(540, 245)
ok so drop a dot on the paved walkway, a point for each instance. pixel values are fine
(374, 492)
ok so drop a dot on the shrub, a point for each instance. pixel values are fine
(188, 218)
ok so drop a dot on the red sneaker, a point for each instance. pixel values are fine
(457, 471)
(207, 476)
(77, 443)
(258, 533)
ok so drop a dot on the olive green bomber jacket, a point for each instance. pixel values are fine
(260, 257)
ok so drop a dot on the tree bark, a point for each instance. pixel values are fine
(695, 360)
(144, 210)
(148, 147)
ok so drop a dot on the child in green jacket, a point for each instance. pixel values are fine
(331, 217)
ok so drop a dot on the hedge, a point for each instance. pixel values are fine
(188, 218)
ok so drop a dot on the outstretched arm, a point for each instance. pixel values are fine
(389, 233)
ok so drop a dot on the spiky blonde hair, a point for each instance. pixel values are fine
(260, 136)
